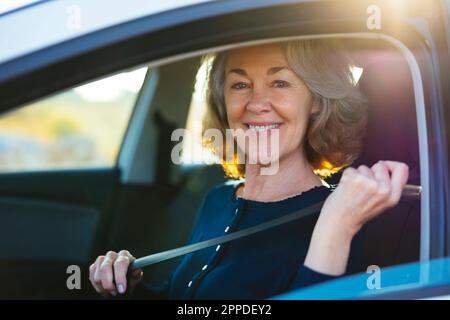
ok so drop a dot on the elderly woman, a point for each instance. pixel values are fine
(305, 91)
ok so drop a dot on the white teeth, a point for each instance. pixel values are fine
(263, 128)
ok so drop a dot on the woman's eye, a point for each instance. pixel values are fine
(239, 85)
(280, 84)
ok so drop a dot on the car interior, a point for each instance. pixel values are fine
(46, 226)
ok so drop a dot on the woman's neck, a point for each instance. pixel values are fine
(293, 177)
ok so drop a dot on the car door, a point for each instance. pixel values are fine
(58, 180)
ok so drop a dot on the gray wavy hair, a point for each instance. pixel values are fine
(335, 133)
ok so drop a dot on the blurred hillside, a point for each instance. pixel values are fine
(64, 131)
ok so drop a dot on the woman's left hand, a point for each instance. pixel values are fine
(361, 195)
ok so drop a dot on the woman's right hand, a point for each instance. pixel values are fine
(108, 274)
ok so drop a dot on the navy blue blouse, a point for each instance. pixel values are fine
(255, 267)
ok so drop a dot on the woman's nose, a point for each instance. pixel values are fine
(259, 102)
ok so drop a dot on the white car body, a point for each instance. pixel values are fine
(32, 28)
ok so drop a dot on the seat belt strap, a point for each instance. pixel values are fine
(410, 191)
(173, 253)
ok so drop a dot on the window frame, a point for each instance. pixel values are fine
(419, 103)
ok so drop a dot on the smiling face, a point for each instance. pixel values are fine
(263, 93)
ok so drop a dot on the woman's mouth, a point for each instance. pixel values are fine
(261, 127)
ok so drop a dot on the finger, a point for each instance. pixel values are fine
(399, 178)
(97, 277)
(366, 171)
(125, 253)
(381, 174)
(348, 173)
(106, 273)
(92, 269)
(120, 271)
